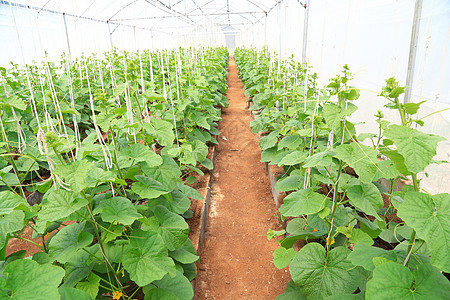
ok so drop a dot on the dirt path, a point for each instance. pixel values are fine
(236, 260)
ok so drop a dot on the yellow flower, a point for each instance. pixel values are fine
(314, 230)
(123, 273)
(332, 241)
(46, 235)
(117, 295)
(124, 229)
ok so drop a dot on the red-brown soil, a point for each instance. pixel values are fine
(236, 259)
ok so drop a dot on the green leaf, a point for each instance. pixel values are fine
(303, 202)
(9, 201)
(148, 187)
(361, 158)
(334, 114)
(268, 141)
(363, 255)
(189, 192)
(170, 288)
(366, 197)
(117, 209)
(417, 148)
(289, 183)
(168, 173)
(290, 142)
(163, 131)
(68, 241)
(75, 174)
(77, 268)
(141, 152)
(43, 286)
(145, 258)
(58, 204)
(73, 294)
(321, 159)
(185, 254)
(97, 175)
(14, 101)
(430, 218)
(394, 281)
(320, 275)
(282, 257)
(90, 285)
(10, 223)
(293, 158)
(173, 228)
(291, 292)
(386, 169)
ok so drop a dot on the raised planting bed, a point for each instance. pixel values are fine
(118, 166)
(363, 232)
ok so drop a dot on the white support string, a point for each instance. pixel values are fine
(105, 149)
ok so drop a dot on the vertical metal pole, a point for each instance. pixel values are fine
(265, 31)
(135, 41)
(413, 50)
(279, 26)
(305, 31)
(67, 36)
(110, 35)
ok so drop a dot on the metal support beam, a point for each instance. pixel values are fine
(110, 35)
(67, 35)
(305, 31)
(413, 50)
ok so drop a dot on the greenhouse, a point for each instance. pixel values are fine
(224, 149)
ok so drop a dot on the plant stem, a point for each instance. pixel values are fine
(333, 210)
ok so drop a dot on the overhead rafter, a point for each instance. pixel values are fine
(192, 15)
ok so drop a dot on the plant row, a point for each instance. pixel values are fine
(96, 158)
(363, 239)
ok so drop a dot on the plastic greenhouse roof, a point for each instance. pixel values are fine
(160, 14)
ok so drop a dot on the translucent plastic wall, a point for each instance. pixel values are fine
(373, 38)
(44, 31)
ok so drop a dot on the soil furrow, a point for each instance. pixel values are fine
(236, 259)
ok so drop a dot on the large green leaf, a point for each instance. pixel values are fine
(185, 254)
(430, 217)
(289, 183)
(148, 187)
(363, 255)
(117, 209)
(90, 285)
(320, 275)
(170, 288)
(10, 223)
(366, 197)
(162, 130)
(173, 228)
(9, 201)
(145, 258)
(75, 174)
(303, 202)
(269, 140)
(58, 204)
(293, 158)
(361, 158)
(394, 281)
(77, 268)
(68, 241)
(140, 152)
(26, 279)
(168, 173)
(417, 148)
(334, 114)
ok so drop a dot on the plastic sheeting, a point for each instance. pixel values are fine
(373, 38)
